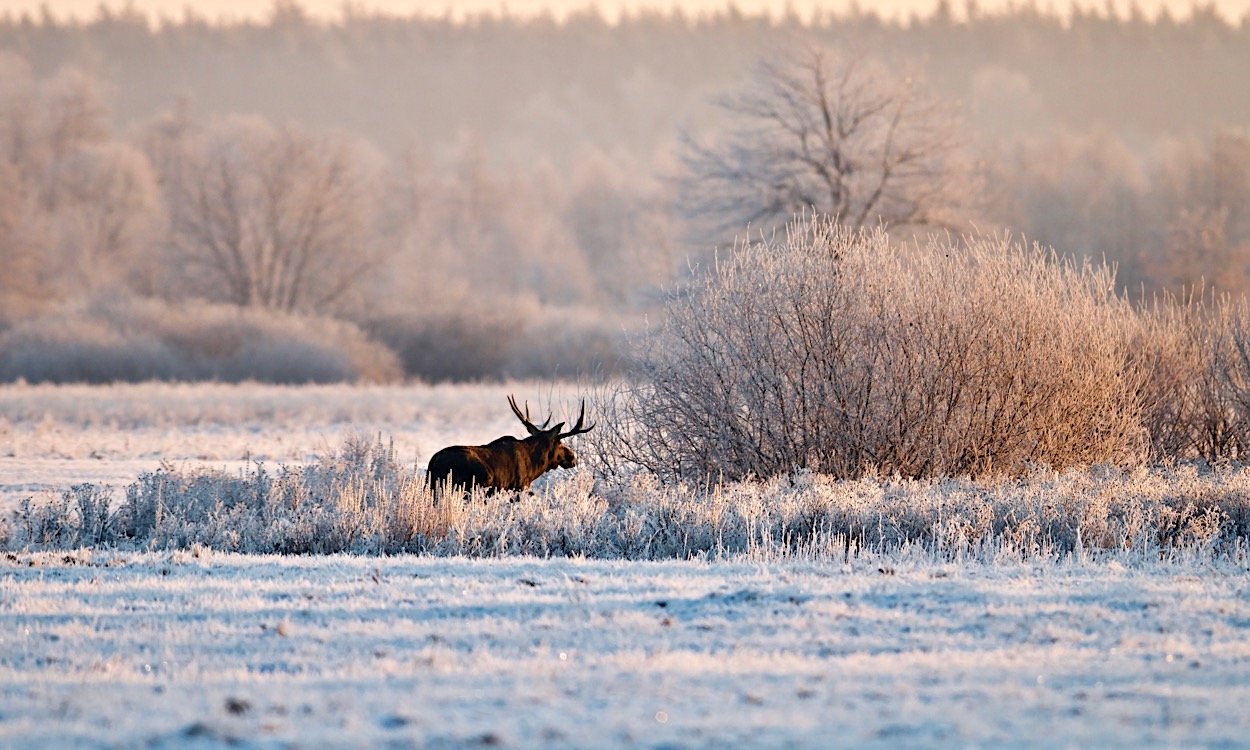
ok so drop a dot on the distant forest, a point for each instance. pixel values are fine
(533, 86)
(513, 180)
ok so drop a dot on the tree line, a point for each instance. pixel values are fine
(464, 195)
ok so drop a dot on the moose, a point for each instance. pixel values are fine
(507, 463)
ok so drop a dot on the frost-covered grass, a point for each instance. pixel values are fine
(367, 494)
(364, 500)
(172, 649)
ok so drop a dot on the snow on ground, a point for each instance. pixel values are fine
(159, 650)
(52, 437)
(102, 648)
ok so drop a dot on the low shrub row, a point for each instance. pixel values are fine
(137, 340)
(363, 500)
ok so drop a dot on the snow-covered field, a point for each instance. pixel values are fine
(54, 436)
(161, 650)
(195, 647)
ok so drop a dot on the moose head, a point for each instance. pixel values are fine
(507, 463)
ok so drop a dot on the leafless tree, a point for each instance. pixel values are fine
(836, 135)
(22, 245)
(108, 205)
(270, 217)
(77, 206)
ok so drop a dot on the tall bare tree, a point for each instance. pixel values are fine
(108, 206)
(840, 136)
(270, 217)
(77, 207)
(23, 240)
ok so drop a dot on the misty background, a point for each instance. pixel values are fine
(377, 197)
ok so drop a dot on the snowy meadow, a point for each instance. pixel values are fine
(205, 649)
(1100, 607)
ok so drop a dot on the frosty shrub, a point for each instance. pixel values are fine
(1195, 355)
(833, 350)
(364, 500)
(1232, 378)
(360, 499)
(79, 517)
(133, 340)
(1187, 351)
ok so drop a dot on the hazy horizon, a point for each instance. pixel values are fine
(1233, 10)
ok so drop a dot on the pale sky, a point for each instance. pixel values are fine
(259, 9)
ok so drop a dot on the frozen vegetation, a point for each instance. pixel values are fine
(340, 469)
(1102, 607)
(336, 483)
(362, 500)
(335, 469)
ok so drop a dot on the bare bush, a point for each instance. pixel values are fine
(1185, 350)
(1232, 378)
(835, 351)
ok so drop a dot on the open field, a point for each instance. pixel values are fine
(976, 643)
(162, 650)
(54, 436)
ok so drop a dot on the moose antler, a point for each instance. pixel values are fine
(506, 463)
(525, 418)
(577, 428)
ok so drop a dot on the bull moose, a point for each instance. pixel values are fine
(507, 463)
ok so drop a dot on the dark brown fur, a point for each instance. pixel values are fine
(506, 463)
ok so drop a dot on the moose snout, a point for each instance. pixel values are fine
(564, 458)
